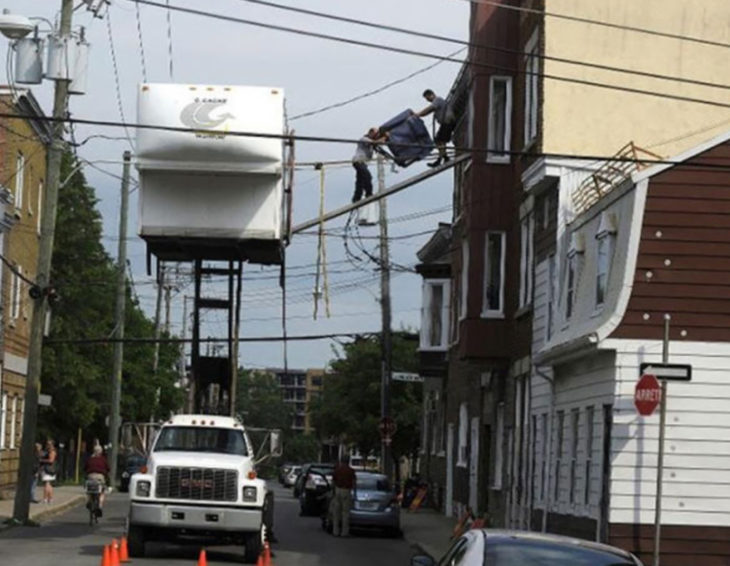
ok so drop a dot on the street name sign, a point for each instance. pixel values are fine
(406, 376)
(647, 395)
(670, 372)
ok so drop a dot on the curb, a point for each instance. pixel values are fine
(50, 512)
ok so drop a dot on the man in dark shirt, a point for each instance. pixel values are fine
(344, 480)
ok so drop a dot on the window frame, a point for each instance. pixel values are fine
(41, 188)
(495, 156)
(15, 293)
(13, 422)
(544, 480)
(487, 312)
(426, 322)
(559, 438)
(464, 276)
(532, 89)
(606, 240)
(3, 418)
(590, 431)
(571, 285)
(19, 180)
(527, 231)
(462, 454)
(552, 288)
(574, 440)
(497, 479)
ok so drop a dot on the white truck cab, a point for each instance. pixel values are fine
(200, 482)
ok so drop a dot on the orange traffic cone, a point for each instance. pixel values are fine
(260, 561)
(202, 559)
(123, 551)
(105, 557)
(114, 554)
(267, 554)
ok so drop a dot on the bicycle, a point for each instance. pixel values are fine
(93, 489)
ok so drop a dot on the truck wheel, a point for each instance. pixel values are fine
(135, 542)
(254, 546)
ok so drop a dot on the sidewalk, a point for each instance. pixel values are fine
(64, 498)
(428, 530)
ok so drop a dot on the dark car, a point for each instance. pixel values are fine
(480, 547)
(374, 505)
(132, 464)
(299, 483)
(316, 481)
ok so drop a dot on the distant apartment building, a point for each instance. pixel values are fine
(299, 388)
(23, 146)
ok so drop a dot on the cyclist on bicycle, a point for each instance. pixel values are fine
(97, 469)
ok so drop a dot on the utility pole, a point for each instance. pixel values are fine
(386, 342)
(182, 362)
(43, 275)
(660, 455)
(115, 419)
(158, 320)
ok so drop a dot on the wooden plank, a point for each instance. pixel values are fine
(692, 279)
(677, 305)
(686, 219)
(694, 205)
(663, 246)
(681, 319)
(683, 262)
(714, 189)
(704, 334)
(658, 289)
(701, 236)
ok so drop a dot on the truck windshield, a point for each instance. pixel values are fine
(199, 439)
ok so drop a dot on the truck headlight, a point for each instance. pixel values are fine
(249, 493)
(143, 489)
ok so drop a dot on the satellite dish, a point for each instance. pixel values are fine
(14, 26)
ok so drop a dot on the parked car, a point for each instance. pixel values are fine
(316, 482)
(374, 505)
(133, 464)
(284, 470)
(480, 547)
(299, 485)
(291, 477)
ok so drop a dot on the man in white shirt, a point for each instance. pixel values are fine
(363, 154)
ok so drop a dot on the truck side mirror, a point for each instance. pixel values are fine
(275, 446)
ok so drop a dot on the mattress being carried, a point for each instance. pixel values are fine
(409, 139)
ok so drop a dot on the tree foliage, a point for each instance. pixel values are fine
(349, 408)
(78, 376)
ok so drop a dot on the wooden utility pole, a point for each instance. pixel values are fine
(158, 319)
(386, 342)
(21, 506)
(115, 420)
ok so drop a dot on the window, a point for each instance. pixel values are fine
(589, 454)
(464, 277)
(558, 453)
(574, 435)
(3, 419)
(15, 294)
(40, 207)
(604, 253)
(463, 455)
(526, 251)
(574, 253)
(19, 180)
(551, 297)
(546, 212)
(544, 470)
(435, 314)
(13, 422)
(532, 78)
(499, 134)
(494, 256)
(498, 449)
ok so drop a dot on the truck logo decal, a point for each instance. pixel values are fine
(186, 482)
(198, 115)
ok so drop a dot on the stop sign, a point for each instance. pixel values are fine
(647, 395)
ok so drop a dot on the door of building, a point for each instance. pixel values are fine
(606, 472)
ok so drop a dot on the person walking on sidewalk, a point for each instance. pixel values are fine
(36, 471)
(48, 471)
(344, 480)
(444, 115)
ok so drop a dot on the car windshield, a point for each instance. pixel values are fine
(199, 439)
(372, 483)
(538, 553)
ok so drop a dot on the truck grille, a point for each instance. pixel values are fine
(200, 484)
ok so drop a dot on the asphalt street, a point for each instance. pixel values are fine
(69, 540)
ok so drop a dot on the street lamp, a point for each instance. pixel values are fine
(14, 26)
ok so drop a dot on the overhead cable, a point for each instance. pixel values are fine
(416, 53)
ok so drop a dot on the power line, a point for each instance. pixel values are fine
(115, 67)
(582, 20)
(373, 92)
(141, 43)
(413, 52)
(132, 341)
(424, 35)
(324, 139)
(169, 39)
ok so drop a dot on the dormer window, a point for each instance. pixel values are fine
(575, 252)
(605, 243)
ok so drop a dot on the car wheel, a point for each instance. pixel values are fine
(135, 542)
(254, 545)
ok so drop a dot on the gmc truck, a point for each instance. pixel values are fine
(200, 483)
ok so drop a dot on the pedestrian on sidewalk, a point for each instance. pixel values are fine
(36, 469)
(344, 480)
(48, 471)
(444, 115)
(363, 154)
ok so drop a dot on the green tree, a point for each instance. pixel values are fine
(78, 376)
(349, 407)
(259, 401)
(301, 448)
